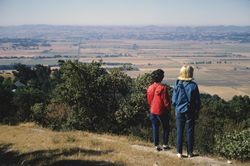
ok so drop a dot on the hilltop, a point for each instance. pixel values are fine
(29, 144)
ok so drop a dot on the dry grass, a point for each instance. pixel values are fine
(31, 145)
(224, 92)
(28, 144)
(7, 74)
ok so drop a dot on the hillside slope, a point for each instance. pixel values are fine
(28, 144)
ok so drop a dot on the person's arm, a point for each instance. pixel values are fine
(150, 96)
(197, 102)
(166, 99)
(174, 96)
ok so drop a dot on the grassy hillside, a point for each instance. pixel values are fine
(28, 144)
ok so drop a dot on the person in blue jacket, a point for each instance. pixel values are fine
(186, 100)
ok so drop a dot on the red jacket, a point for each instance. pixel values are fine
(158, 99)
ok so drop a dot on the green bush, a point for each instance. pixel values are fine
(235, 145)
(7, 110)
(38, 112)
(24, 99)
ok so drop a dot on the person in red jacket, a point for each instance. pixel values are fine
(160, 106)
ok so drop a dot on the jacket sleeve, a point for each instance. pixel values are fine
(150, 95)
(197, 99)
(166, 99)
(174, 96)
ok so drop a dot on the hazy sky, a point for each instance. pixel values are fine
(125, 12)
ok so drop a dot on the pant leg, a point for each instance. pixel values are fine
(165, 126)
(155, 127)
(180, 125)
(190, 133)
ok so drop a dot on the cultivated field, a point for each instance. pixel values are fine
(221, 67)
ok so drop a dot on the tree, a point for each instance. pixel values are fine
(1, 80)
(93, 93)
(239, 109)
(133, 112)
(24, 99)
(7, 110)
(41, 79)
(23, 73)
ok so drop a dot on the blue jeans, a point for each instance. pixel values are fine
(156, 121)
(183, 119)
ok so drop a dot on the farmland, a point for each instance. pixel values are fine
(220, 55)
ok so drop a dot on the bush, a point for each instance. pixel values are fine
(81, 119)
(56, 115)
(235, 145)
(24, 99)
(38, 112)
(7, 110)
(93, 94)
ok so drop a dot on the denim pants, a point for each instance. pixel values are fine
(158, 120)
(183, 119)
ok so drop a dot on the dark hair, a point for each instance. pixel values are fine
(157, 75)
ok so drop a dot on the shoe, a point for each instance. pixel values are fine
(190, 155)
(158, 148)
(165, 147)
(179, 155)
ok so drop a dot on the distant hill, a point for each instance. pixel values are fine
(204, 33)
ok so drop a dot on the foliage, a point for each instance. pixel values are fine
(38, 112)
(134, 110)
(23, 73)
(7, 110)
(1, 80)
(24, 99)
(37, 77)
(234, 145)
(216, 118)
(93, 93)
(56, 115)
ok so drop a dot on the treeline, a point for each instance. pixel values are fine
(85, 96)
(25, 42)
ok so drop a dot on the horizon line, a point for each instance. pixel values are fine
(129, 25)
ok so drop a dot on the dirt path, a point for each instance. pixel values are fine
(196, 160)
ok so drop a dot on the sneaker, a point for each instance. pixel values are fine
(190, 155)
(179, 155)
(158, 148)
(165, 147)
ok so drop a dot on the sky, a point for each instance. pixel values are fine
(125, 12)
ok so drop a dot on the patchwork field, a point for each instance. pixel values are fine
(221, 68)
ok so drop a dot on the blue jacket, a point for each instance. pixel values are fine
(186, 97)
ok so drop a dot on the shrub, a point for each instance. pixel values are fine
(81, 119)
(38, 112)
(234, 145)
(56, 115)
(7, 110)
(24, 99)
